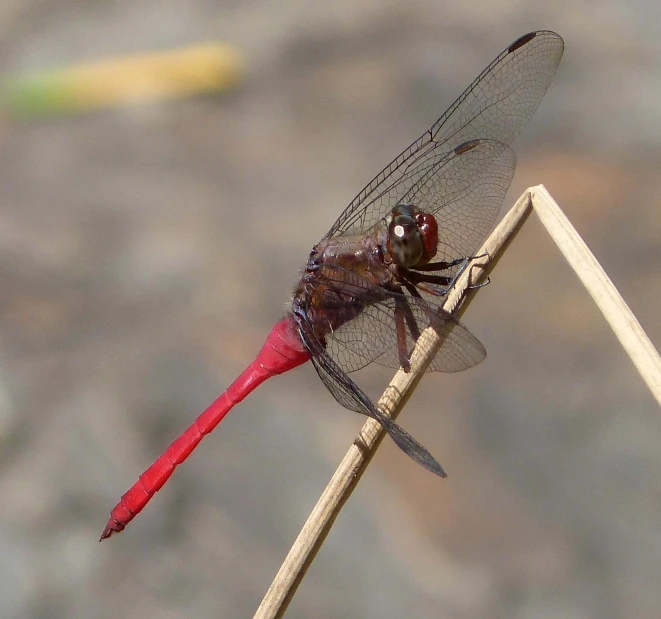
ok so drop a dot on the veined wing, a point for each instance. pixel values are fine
(465, 188)
(494, 107)
(372, 335)
(349, 395)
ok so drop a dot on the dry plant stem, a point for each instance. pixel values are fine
(356, 460)
(605, 295)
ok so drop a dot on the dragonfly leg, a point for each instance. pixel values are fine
(487, 279)
(428, 310)
(472, 286)
(408, 314)
(437, 285)
(400, 330)
(442, 266)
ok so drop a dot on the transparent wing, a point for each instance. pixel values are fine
(372, 335)
(348, 394)
(467, 185)
(495, 107)
(472, 206)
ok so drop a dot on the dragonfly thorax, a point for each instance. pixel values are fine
(412, 236)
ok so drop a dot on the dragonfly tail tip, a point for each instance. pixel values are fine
(111, 527)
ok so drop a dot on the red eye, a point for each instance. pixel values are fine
(429, 232)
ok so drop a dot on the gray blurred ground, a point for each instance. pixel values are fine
(145, 252)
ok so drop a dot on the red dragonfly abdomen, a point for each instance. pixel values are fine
(282, 351)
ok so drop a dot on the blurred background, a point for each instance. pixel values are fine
(145, 251)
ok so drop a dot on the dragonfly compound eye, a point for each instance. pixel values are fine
(404, 241)
(429, 232)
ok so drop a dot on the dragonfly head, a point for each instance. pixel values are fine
(412, 236)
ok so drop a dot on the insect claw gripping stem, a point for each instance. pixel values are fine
(281, 352)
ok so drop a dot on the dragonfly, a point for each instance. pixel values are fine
(378, 278)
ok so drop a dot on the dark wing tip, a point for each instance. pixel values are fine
(521, 41)
(526, 38)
